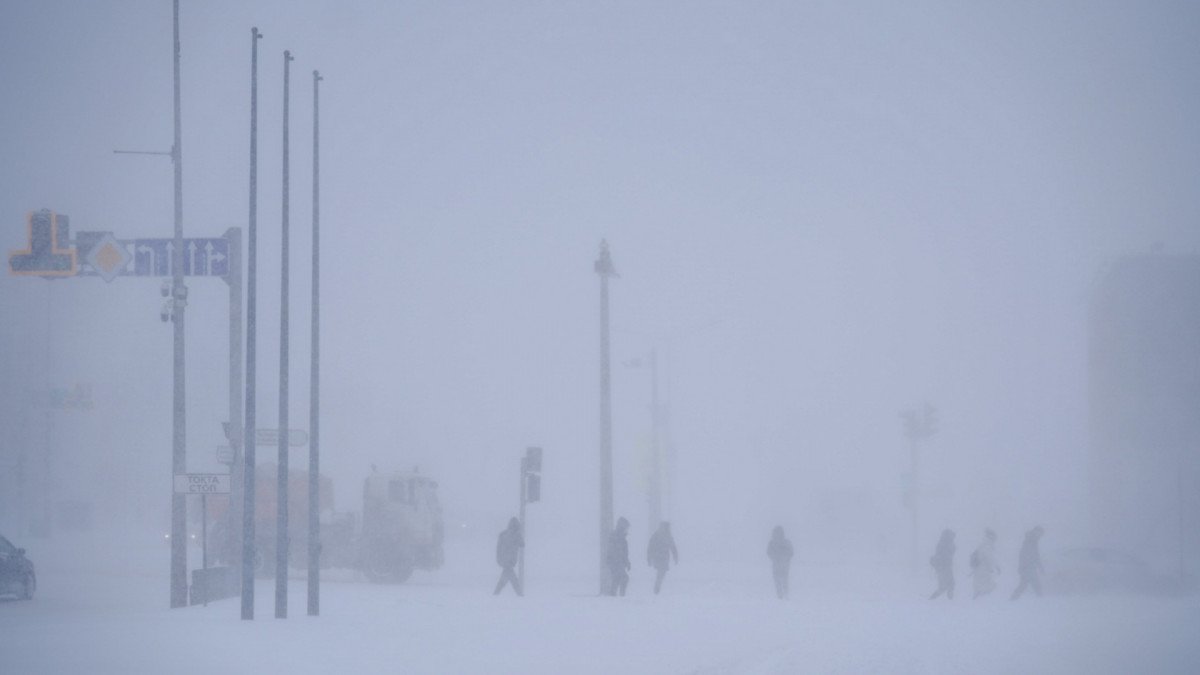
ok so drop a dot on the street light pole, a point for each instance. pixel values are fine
(314, 398)
(604, 268)
(248, 429)
(179, 590)
(281, 497)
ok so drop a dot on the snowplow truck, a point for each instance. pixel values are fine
(402, 527)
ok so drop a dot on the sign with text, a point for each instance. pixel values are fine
(203, 483)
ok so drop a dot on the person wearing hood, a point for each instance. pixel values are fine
(943, 563)
(779, 550)
(508, 549)
(617, 558)
(660, 552)
(1029, 563)
(983, 564)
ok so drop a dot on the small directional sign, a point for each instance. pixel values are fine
(203, 483)
(296, 437)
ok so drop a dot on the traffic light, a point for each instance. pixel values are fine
(533, 488)
(533, 460)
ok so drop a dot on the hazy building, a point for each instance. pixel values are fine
(1144, 407)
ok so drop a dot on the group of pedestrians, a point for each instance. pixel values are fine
(661, 552)
(985, 566)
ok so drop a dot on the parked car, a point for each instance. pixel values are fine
(1094, 569)
(17, 577)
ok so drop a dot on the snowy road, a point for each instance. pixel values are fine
(113, 621)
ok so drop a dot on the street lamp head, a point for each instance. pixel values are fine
(604, 265)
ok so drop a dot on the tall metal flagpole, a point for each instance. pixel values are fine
(281, 523)
(314, 398)
(179, 590)
(248, 429)
(604, 268)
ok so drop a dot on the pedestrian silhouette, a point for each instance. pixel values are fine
(508, 548)
(983, 564)
(779, 550)
(617, 558)
(943, 563)
(660, 552)
(1029, 563)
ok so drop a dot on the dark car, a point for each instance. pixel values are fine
(17, 577)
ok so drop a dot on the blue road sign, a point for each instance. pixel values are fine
(207, 257)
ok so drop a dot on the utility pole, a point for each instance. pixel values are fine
(249, 473)
(314, 397)
(281, 499)
(179, 589)
(604, 268)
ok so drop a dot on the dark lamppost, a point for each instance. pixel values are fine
(314, 398)
(249, 428)
(281, 499)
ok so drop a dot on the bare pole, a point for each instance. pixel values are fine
(314, 400)
(179, 590)
(248, 429)
(281, 523)
(604, 268)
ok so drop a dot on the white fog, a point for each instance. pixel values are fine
(878, 271)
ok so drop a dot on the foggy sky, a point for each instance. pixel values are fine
(822, 214)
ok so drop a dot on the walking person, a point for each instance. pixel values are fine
(660, 552)
(1029, 563)
(943, 564)
(508, 548)
(984, 567)
(779, 550)
(617, 558)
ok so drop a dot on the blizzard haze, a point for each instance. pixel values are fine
(823, 214)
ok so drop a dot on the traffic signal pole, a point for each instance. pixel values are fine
(248, 440)
(179, 589)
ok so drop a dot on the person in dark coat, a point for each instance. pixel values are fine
(779, 550)
(1029, 563)
(943, 564)
(508, 549)
(617, 558)
(660, 552)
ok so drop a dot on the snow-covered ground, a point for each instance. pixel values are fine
(102, 609)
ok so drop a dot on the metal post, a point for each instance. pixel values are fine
(179, 293)
(604, 268)
(314, 397)
(232, 541)
(521, 517)
(248, 471)
(281, 523)
(204, 543)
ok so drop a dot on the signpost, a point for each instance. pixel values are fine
(531, 491)
(203, 484)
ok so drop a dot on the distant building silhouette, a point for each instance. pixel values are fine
(1144, 407)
